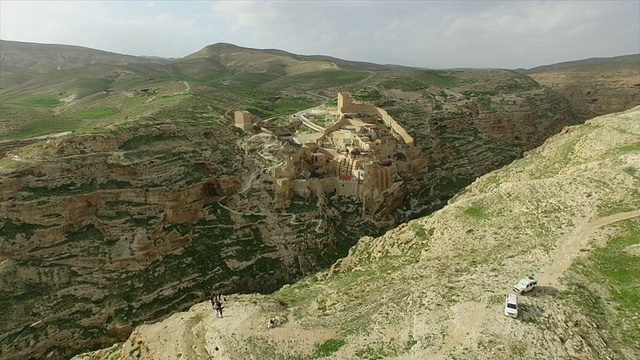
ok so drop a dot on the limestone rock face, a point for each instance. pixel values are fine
(474, 129)
(434, 288)
(101, 232)
(596, 89)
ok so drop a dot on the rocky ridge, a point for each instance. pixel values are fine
(595, 87)
(434, 288)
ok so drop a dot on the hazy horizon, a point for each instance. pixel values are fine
(429, 34)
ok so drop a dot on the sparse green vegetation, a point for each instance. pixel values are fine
(292, 104)
(420, 231)
(378, 351)
(299, 205)
(95, 113)
(317, 79)
(43, 125)
(327, 348)
(421, 79)
(47, 102)
(476, 212)
(160, 239)
(74, 188)
(632, 148)
(10, 229)
(605, 287)
(139, 141)
(368, 94)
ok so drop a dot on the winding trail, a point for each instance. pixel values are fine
(575, 241)
(301, 115)
(371, 73)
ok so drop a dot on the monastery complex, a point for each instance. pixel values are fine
(358, 156)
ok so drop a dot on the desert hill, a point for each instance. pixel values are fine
(608, 62)
(20, 61)
(594, 86)
(434, 288)
(127, 194)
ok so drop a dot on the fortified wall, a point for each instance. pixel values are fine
(346, 105)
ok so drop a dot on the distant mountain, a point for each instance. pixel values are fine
(623, 60)
(237, 59)
(45, 57)
(595, 86)
(22, 61)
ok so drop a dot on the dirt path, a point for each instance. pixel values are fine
(468, 318)
(464, 327)
(572, 244)
(41, 137)
(371, 73)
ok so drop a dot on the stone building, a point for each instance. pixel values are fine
(356, 157)
(243, 120)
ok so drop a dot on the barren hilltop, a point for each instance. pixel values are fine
(434, 288)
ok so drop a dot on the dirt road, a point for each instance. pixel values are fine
(575, 241)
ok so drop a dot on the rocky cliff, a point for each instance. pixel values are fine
(595, 86)
(156, 199)
(469, 122)
(568, 212)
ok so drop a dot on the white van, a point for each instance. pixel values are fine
(511, 306)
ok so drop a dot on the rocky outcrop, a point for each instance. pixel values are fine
(596, 89)
(434, 288)
(464, 132)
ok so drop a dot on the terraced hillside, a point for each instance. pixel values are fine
(154, 199)
(434, 288)
(594, 86)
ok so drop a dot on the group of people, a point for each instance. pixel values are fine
(217, 305)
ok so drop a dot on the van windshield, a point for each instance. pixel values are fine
(512, 306)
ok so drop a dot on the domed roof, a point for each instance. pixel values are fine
(355, 151)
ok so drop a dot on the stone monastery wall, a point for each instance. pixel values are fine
(346, 105)
(395, 126)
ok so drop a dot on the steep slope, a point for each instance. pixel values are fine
(101, 223)
(594, 86)
(491, 116)
(434, 288)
